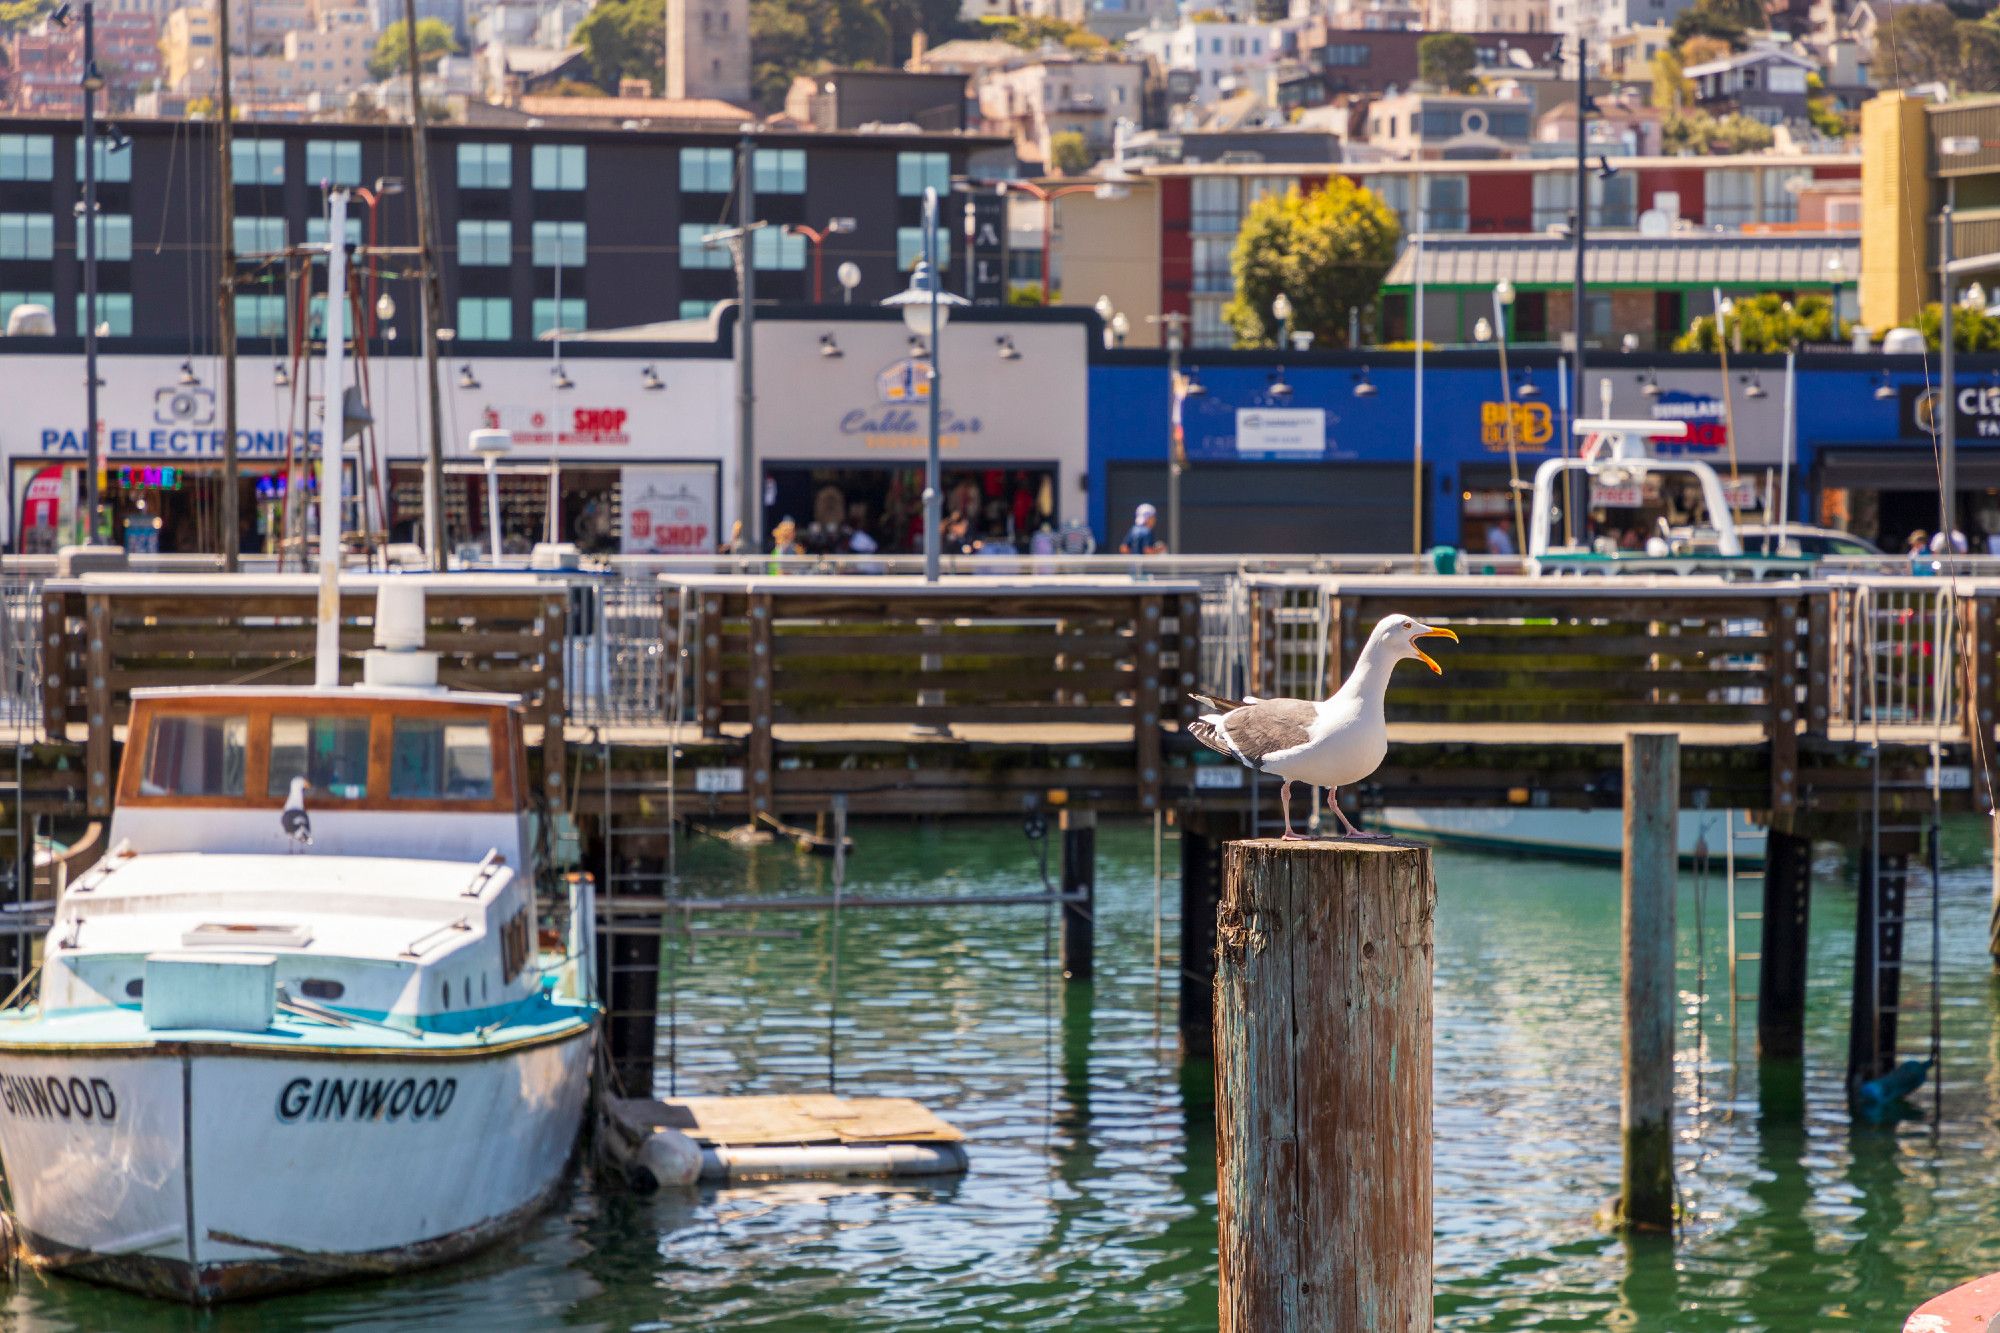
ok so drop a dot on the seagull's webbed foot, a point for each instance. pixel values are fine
(1347, 829)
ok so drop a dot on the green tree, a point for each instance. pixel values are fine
(1971, 330)
(392, 48)
(1728, 20)
(1445, 60)
(1821, 112)
(1930, 44)
(1327, 251)
(1672, 89)
(1696, 132)
(1069, 155)
(791, 37)
(1766, 322)
(1032, 33)
(625, 39)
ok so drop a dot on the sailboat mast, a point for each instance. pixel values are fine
(227, 521)
(333, 431)
(430, 297)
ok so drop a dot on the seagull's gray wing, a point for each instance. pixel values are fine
(1258, 730)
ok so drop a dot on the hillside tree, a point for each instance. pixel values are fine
(1327, 251)
(392, 48)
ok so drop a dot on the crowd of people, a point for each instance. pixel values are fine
(988, 512)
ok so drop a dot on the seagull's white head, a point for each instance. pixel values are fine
(1397, 637)
(299, 788)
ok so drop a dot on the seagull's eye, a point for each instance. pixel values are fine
(1408, 625)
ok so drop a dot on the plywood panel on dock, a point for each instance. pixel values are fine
(816, 1118)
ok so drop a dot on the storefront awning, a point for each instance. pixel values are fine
(1630, 260)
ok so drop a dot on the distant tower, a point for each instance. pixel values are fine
(708, 49)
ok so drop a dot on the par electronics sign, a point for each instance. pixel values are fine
(1978, 411)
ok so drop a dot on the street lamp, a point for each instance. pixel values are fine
(492, 446)
(1503, 297)
(816, 236)
(1835, 271)
(1180, 388)
(1102, 305)
(926, 306)
(1281, 310)
(849, 276)
(1103, 190)
(1120, 326)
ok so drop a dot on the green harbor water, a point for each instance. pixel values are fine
(1091, 1200)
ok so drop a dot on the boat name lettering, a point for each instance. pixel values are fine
(58, 1098)
(366, 1098)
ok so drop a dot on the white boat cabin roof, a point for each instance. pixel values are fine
(387, 693)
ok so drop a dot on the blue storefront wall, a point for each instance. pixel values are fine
(1838, 406)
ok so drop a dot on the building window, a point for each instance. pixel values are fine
(558, 166)
(1614, 202)
(27, 157)
(707, 171)
(696, 254)
(333, 161)
(485, 244)
(1444, 203)
(780, 171)
(8, 300)
(910, 248)
(27, 236)
(917, 172)
(257, 162)
(485, 319)
(260, 316)
(696, 309)
(1211, 264)
(114, 314)
(1214, 204)
(1780, 204)
(259, 236)
(1344, 55)
(1394, 192)
(780, 251)
(113, 168)
(485, 166)
(1729, 197)
(559, 244)
(1208, 329)
(114, 238)
(567, 312)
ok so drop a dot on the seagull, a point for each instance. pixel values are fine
(1332, 744)
(298, 827)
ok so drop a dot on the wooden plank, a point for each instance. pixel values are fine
(1187, 656)
(1821, 658)
(812, 1118)
(951, 641)
(1784, 722)
(708, 658)
(1146, 723)
(98, 706)
(947, 713)
(58, 665)
(554, 700)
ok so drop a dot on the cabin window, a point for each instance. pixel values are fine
(319, 988)
(330, 753)
(196, 756)
(432, 760)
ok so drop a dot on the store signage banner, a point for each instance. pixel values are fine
(1291, 431)
(668, 510)
(984, 246)
(1706, 419)
(1978, 411)
(1534, 427)
(586, 427)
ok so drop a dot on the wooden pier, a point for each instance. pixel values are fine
(1824, 706)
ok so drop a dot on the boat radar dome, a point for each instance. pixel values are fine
(398, 659)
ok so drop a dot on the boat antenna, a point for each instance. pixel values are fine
(333, 430)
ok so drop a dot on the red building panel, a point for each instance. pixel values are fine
(1690, 182)
(1176, 246)
(1500, 201)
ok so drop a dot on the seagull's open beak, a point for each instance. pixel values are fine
(1430, 632)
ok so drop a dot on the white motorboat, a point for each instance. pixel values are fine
(1581, 835)
(298, 1022)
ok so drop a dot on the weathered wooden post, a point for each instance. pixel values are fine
(1079, 886)
(1323, 1086)
(1652, 868)
(1204, 833)
(1781, 974)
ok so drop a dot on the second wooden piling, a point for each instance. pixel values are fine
(1323, 1086)
(1652, 869)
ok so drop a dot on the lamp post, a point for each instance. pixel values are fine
(1179, 390)
(1102, 305)
(1954, 146)
(1503, 297)
(926, 308)
(492, 446)
(1834, 273)
(1048, 195)
(849, 276)
(816, 237)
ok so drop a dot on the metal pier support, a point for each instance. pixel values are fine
(1781, 982)
(1079, 888)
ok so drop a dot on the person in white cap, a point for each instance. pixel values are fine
(1142, 539)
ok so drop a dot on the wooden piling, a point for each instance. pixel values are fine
(1203, 836)
(1652, 867)
(1323, 1086)
(1079, 886)
(1781, 977)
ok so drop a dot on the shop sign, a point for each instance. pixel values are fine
(43, 511)
(585, 427)
(1623, 495)
(1978, 411)
(900, 418)
(1708, 431)
(183, 426)
(1281, 430)
(667, 510)
(1743, 492)
(1534, 427)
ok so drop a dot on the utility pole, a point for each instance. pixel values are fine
(431, 298)
(1582, 218)
(225, 314)
(1947, 408)
(92, 81)
(749, 503)
(1174, 322)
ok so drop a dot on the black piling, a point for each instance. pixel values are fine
(1781, 984)
(1079, 887)
(1203, 833)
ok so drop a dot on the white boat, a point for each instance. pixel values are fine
(255, 1063)
(297, 1024)
(1583, 835)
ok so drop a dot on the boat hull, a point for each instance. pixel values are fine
(1581, 835)
(205, 1171)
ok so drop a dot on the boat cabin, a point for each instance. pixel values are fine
(418, 773)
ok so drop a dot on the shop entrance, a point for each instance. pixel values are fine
(153, 509)
(1890, 496)
(848, 507)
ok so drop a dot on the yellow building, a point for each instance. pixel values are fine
(1917, 155)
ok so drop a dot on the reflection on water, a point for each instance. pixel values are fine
(1091, 1200)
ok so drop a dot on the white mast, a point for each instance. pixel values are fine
(333, 429)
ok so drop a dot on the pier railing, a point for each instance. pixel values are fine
(968, 652)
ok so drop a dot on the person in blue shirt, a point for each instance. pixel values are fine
(1143, 539)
